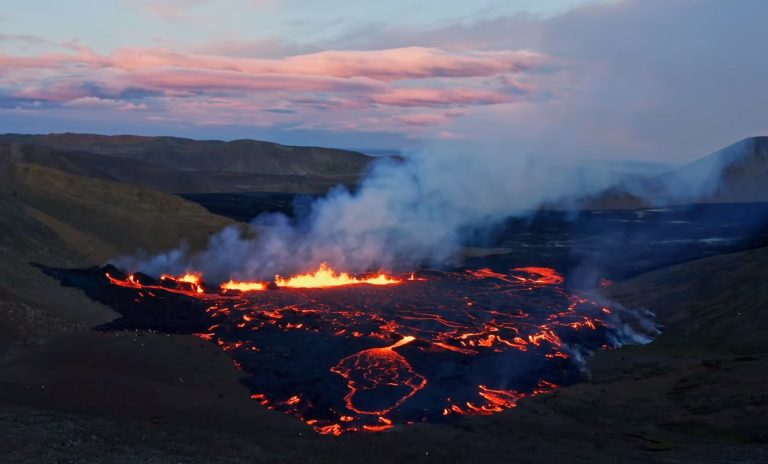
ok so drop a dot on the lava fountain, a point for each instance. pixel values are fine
(348, 353)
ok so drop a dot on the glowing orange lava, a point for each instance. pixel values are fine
(455, 332)
(188, 284)
(378, 369)
(545, 275)
(244, 286)
(536, 275)
(194, 280)
(325, 276)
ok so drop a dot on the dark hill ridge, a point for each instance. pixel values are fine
(179, 165)
(165, 179)
(734, 174)
(248, 156)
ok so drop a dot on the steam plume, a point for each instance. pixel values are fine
(405, 213)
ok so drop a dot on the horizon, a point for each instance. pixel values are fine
(575, 79)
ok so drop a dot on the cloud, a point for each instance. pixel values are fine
(427, 119)
(351, 87)
(62, 91)
(105, 103)
(429, 97)
(634, 78)
(92, 102)
(386, 65)
(331, 70)
(200, 81)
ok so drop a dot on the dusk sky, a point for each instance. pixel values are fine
(663, 80)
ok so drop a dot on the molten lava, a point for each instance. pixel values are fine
(324, 277)
(379, 371)
(344, 356)
(327, 277)
(244, 286)
(194, 280)
(542, 275)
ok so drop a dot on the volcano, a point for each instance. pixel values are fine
(366, 353)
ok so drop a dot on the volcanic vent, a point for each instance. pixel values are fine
(364, 353)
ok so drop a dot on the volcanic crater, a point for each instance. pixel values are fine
(367, 353)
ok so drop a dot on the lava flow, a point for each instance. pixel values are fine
(326, 277)
(379, 372)
(351, 353)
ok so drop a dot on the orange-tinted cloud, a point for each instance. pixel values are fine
(429, 97)
(385, 65)
(346, 89)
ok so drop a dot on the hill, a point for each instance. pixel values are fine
(734, 174)
(180, 165)
(56, 218)
(68, 393)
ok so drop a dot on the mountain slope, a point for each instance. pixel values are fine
(189, 166)
(58, 219)
(249, 156)
(736, 173)
(171, 180)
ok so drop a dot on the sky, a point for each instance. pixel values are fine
(656, 80)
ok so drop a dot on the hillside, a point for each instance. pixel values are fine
(694, 395)
(736, 173)
(54, 218)
(189, 166)
(67, 392)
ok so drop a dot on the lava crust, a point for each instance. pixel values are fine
(428, 347)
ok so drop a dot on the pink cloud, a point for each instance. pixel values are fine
(54, 62)
(202, 80)
(410, 63)
(330, 90)
(62, 91)
(385, 65)
(427, 119)
(428, 97)
(341, 72)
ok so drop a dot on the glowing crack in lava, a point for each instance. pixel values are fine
(375, 369)
(364, 353)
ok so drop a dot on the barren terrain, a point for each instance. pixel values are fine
(70, 394)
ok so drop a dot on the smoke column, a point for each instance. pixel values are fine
(405, 213)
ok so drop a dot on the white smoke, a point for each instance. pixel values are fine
(405, 213)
